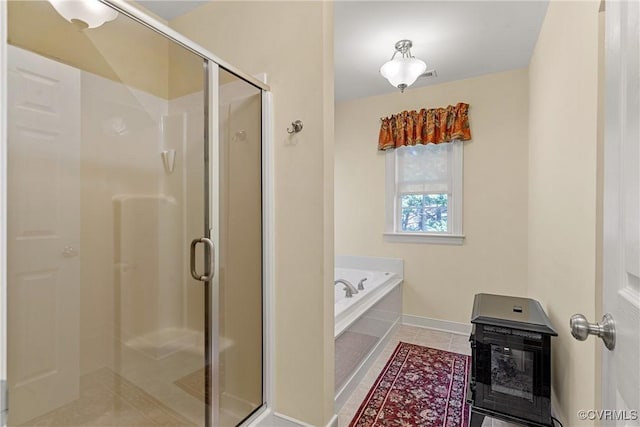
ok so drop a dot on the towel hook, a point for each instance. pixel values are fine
(297, 127)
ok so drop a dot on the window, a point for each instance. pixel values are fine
(424, 193)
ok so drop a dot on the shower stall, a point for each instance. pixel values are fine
(134, 281)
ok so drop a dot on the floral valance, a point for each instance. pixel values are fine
(435, 125)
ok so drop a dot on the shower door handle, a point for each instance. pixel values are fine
(210, 262)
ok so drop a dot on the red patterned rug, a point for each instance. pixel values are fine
(419, 386)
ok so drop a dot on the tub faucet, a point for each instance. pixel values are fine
(348, 287)
(361, 284)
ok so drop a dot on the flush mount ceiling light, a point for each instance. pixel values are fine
(84, 13)
(403, 72)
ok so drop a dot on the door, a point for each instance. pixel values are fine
(43, 233)
(124, 155)
(621, 234)
(238, 230)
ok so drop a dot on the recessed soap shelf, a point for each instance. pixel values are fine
(169, 160)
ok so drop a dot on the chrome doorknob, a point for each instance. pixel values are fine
(581, 329)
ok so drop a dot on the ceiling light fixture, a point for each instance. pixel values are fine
(403, 72)
(84, 13)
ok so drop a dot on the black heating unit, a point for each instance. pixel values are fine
(510, 361)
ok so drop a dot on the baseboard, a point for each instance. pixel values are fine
(437, 324)
(272, 419)
(280, 420)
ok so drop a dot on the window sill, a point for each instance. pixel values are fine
(438, 239)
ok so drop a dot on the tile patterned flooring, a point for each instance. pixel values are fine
(110, 400)
(414, 335)
(107, 399)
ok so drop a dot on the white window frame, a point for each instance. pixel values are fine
(454, 235)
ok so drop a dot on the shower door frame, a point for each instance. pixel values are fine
(212, 64)
(3, 214)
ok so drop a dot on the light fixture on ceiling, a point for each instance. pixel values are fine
(84, 13)
(403, 72)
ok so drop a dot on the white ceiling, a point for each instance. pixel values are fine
(459, 39)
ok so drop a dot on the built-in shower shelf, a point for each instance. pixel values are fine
(165, 342)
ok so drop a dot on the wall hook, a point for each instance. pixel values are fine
(297, 127)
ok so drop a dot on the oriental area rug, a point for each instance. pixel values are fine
(419, 386)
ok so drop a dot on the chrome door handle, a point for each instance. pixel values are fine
(581, 329)
(210, 264)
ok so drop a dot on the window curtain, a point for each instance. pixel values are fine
(432, 126)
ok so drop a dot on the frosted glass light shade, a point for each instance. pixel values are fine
(402, 72)
(91, 12)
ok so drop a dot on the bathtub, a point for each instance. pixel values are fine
(376, 286)
(365, 321)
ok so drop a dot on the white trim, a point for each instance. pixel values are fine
(457, 189)
(437, 324)
(438, 239)
(455, 235)
(392, 265)
(3, 195)
(124, 7)
(390, 191)
(269, 248)
(280, 420)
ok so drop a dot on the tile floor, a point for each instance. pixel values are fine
(108, 399)
(138, 391)
(414, 335)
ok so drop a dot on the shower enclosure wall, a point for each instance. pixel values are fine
(123, 147)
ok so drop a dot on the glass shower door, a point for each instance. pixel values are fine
(107, 187)
(238, 229)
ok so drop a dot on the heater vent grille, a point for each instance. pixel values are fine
(428, 74)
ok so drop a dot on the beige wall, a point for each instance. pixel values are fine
(328, 126)
(122, 50)
(563, 91)
(289, 41)
(441, 280)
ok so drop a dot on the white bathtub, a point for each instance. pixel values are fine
(364, 321)
(376, 287)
